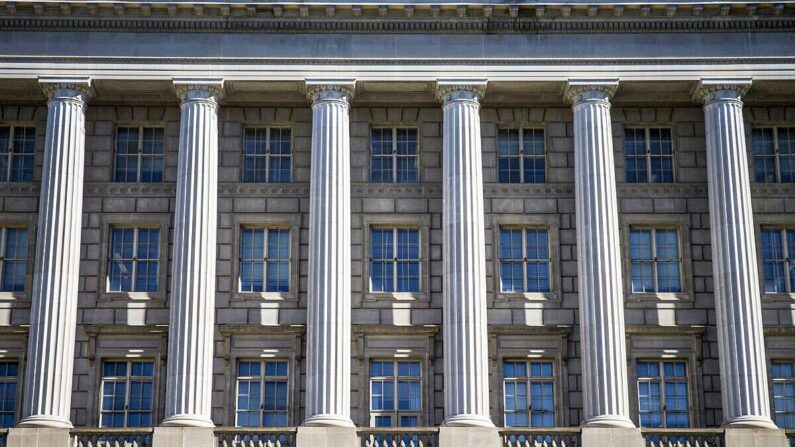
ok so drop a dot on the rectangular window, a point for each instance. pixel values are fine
(774, 154)
(655, 263)
(9, 372)
(521, 156)
(395, 393)
(394, 260)
(13, 258)
(127, 393)
(17, 147)
(134, 262)
(394, 155)
(262, 393)
(529, 392)
(783, 374)
(663, 400)
(649, 155)
(778, 259)
(267, 155)
(139, 154)
(524, 260)
(265, 260)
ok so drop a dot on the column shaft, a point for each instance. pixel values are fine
(192, 301)
(741, 344)
(602, 334)
(328, 373)
(48, 373)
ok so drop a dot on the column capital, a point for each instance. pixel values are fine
(71, 88)
(330, 90)
(449, 90)
(199, 89)
(581, 90)
(711, 90)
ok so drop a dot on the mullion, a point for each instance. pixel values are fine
(394, 166)
(265, 255)
(394, 260)
(521, 180)
(127, 388)
(10, 167)
(138, 174)
(654, 272)
(267, 154)
(3, 236)
(776, 154)
(261, 391)
(647, 137)
(785, 259)
(134, 272)
(524, 247)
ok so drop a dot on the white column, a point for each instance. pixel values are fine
(192, 300)
(741, 343)
(602, 335)
(466, 387)
(48, 372)
(328, 332)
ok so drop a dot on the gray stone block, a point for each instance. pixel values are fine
(38, 437)
(755, 437)
(611, 436)
(326, 437)
(469, 436)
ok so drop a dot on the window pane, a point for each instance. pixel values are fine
(408, 396)
(381, 156)
(773, 264)
(508, 156)
(635, 150)
(661, 155)
(786, 148)
(15, 265)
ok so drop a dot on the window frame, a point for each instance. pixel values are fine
(776, 151)
(648, 155)
(127, 380)
(394, 156)
(139, 157)
(267, 127)
(522, 129)
(395, 379)
(18, 381)
(27, 260)
(262, 379)
(135, 259)
(524, 260)
(267, 259)
(663, 380)
(773, 380)
(395, 260)
(28, 222)
(528, 380)
(654, 260)
(762, 221)
(786, 260)
(11, 154)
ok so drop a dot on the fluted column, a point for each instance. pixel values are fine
(328, 332)
(741, 343)
(192, 300)
(50, 359)
(466, 387)
(604, 357)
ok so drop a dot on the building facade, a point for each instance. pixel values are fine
(516, 221)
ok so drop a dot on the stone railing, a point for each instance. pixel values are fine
(682, 437)
(3, 436)
(540, 437)
(111, 437)
(790, 436)
(255, 437)
(399, 437)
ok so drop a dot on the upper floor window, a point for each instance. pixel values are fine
(13, 258)
(649, 155)
(774, 154)
(394, 155)
(127, 393)
(655, 261)
(8, 393)
(17, 147)
(267, 155)
(521, 156)
(139, 154)
(662, 394)
(524, 260)
(778, 259)
(529, 392)
(134, 259)
(395, 393)
(394, 260)
(783, 374)
(262, 391)
(265, 260)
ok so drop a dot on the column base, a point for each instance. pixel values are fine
(42, 421)
(610, 436)
(188, 420)
(609, 421)
(326, 437)
(751, 422)
(755, 437)
(328, 420)
(450, 436)
(38, 437)
(183, 437)
(468, 420)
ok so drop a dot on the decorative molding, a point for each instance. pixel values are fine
(211, 90)
(448, 90)
(579, 90)
(498, 330)
(711, 90)
(330, 90)
(396, 331)
(74, 89)
(646, 329)
(228, 330)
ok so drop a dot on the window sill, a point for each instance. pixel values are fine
(783, 298)
(653, 300)
(108, 299)
(263, 296)
(506, 299)
(395, 297)
(14, 296)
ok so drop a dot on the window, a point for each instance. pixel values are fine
(8, 393)
(134, 259)
(262, 393)
(394, 260)
(265, 260)
(139, 154)
(17, 146)
(655, 262)
(521, 156)
(662, 394)
(394, 156)
(267, 155)
(529, 392)
(127, 393)
(395, 399)
(778, 263)
(524, 260)
(783, 374)
(13, 258)
(649, 155)
(774, 154)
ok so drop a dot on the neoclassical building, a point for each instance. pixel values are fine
(344, 224)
